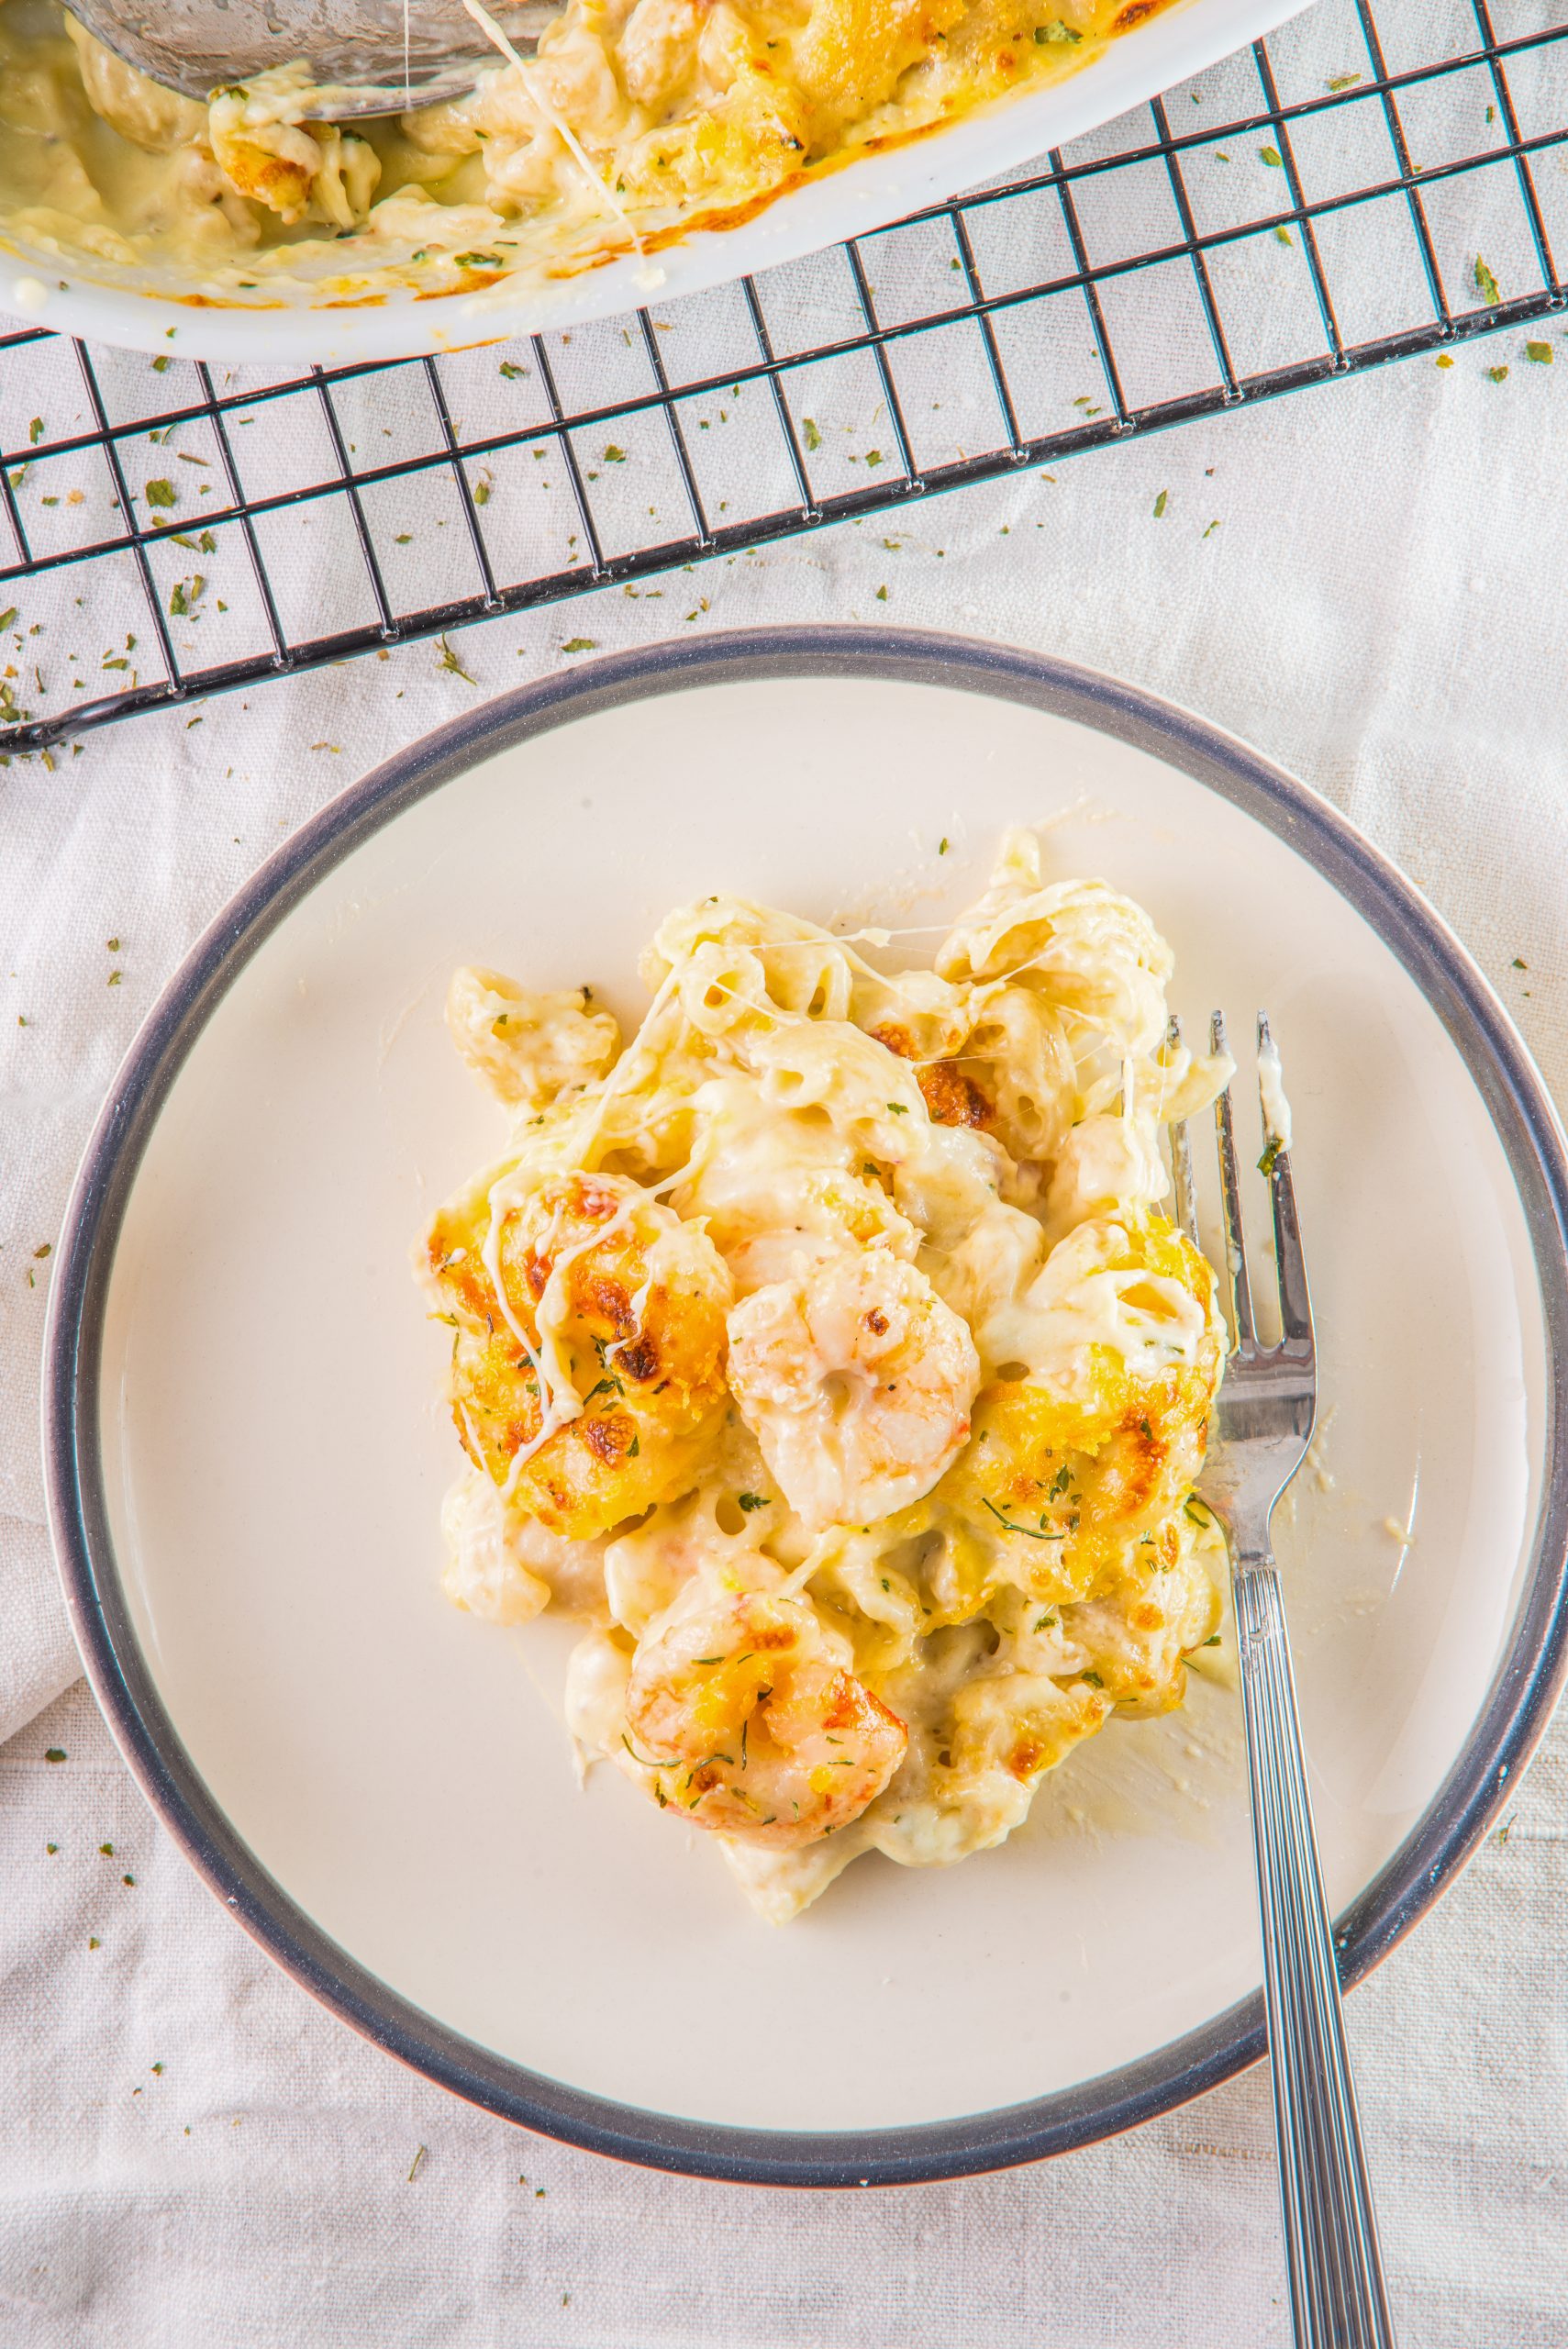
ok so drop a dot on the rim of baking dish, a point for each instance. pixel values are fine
(1519, 1702)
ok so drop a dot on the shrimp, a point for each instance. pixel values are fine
(587, 1369)
(856, 1380)
(741, 1713)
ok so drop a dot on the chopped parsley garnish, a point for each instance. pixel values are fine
(1272, 1155)
(748, 1501)
(1018, 1529)
(1485, 283)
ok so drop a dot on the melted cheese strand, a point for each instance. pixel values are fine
(557, 123)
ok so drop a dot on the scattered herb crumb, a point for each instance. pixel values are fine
(51, 1847)
(93, 1942)
(448, 659)
(54, 1753)
(1160, 505)
(1283, 235)
(1444, 359)
(107, 1850)
(1519, 965)
(812, 437)
(414, 2165)
(1343, 81)
(613, 456)
(580, 644)
(1485, 283)
(748, 1501)
(1542, 353)
(510, 368)
(1212, 527)
(1272, 158)
(1497, 374)
(161, 492)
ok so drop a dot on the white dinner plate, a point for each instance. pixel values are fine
(337, 322)
(248, 1446)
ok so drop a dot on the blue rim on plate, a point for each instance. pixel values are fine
(1517, 1704)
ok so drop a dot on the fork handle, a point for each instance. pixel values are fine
(1338, 2300)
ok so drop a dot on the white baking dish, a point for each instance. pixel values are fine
(144, 309)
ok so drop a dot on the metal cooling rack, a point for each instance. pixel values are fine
(1360, 187)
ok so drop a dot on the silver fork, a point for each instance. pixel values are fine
(1262, 1426)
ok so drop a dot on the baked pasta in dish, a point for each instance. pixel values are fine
(638, 121)
(825, 1349)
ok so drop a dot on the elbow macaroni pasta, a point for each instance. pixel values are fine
(826, 1350)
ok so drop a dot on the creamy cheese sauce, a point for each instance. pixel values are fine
(828, 1350)
(636, 121)
(1270, 1090)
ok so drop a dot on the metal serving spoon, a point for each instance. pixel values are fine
(369, 56)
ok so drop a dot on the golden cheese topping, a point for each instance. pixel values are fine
(826, 1350)
(637, 120)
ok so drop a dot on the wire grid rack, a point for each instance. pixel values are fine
(1367, 183)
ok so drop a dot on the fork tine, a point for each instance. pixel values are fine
(1230, 1195)
(1182, 1157)
(1294, 1297)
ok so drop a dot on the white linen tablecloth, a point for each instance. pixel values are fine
(191, 2155)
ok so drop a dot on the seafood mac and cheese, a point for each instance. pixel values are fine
(823, 1348)
(636, 121)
